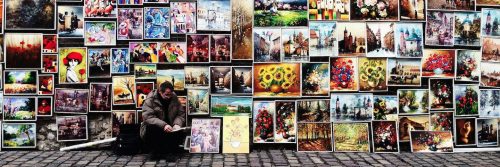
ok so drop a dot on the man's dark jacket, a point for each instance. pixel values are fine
(153, 112)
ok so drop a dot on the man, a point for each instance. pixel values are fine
(163, 116)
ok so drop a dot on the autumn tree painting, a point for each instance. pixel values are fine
(314, 137)
(123, 90)
(351, 137)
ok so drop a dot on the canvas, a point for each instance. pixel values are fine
(263, 121)
(344, 74)
(489, 103)
(220, 48)
(465, 131)
(413, 101)
(198, 102)
(73, 65)
(213, 15)
(157, 23)
(385, 107)
(19, 135)
(319, 141)
(49, 43)
(49, 63)
(25, 48)
(267, 13)
(72, 128)
(406, 124)
(130, 23)
(172, 52)
(234, 140)
(122, 117)
(323, 38)
(451, 5)
(404, 72)
(230, 106)
(99, 33)
(242, 80)
(329, 10)
(489, 20)
(441, 94)
(431, 141)
(438, 63)
(99, 63)
(466, 100)
(182, 17)
(145, 71)
(205, 135)
(314, 79)
(196, 77)
(19, 108)
(412, 10)
(317, 110)
(467, 66)
(242, 29)
(143, 52)
(352, 40)
(489, 49)
(380, 39)
(220, 80)
(198, 48)
(29, 16)
(351, 137)
(44, 106)
(123, 90)
(351, 107)
(439, 28)
(100, 97)
(381, 10)
(129, 2)
(143, 89)
(409, 39)
(267, 47)
(487, 132)
(71, 101)
(372, 74)
(295, 45)
(385, 137)
(70, 21)
(467, 28)
(174, 76)
(46, 84)
(441, 121)
(488, 75)
(20, 82)
(276, 80)
(285, 122)
(100, 8)
(487, 2)
(120, 61)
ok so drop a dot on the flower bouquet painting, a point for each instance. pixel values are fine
(431, 141)
(263, 122)
(442, 121)
(386, 10)
(344, 74)
(466, 100)
(372, 74)
(441, 93)
(285, 122)
(314, 81)
(467, 65)
(438, 63)
(277, 80)
(235, 140)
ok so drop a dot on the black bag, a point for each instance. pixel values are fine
(128, 141)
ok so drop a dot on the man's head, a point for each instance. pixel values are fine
(166, 90)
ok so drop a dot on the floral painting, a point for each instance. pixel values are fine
(468, 65)
(343, 74)
(277, 80)
(234, 139)
(314, 79)
(431, 141)
(372, 74)
(438, 63)
(466, 100)
(285, 124)
(263, 121)
(381, 10)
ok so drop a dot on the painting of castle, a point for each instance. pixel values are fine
(439, 28)
(352, 42)
(408, 40)
(490, 23)
(323, 38)
(467, 28)
(295, 45)
(380, 40)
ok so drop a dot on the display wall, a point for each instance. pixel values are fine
(307, 75)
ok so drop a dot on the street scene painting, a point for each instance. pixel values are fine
(205, 135)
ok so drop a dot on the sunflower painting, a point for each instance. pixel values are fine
(277, 80)
(373, 74)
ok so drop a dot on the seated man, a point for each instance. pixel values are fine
(163, 115)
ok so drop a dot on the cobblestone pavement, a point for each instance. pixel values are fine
(256, 158)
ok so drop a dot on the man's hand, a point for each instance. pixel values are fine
(168, 128)
(176, 127)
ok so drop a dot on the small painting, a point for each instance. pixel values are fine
(467, 66)
(285, 124)
(466, 100)
(439, 28)
(352, 42)
(21, 15)
(314, 79)
(489, 76)
(319, 141)
(372, 74)
(196, 77)
(198, 101)
(198, 48)
(130, 23)
(467, 28)
(120, 61)
(263, 121)
(128, 2)
(99, 63)
(220, 48)
(351, 137)
(344, 74)
(69, 21)
(230, 106)
(385, 137)
(73, 65)
(241, 29)
(465, 131)
(214, 15)
(71, 101)
(487, 132)
(49, 43)
(220, 80)
(489, 103)
(122, 117)
(274, 13)
(438, 63)
(19, 108)
(313, 111)
(100, 8)
(385, 108)
(234, 140)
(266, 44)
(413, 101)
(46, 84)
(72, 128)
(323, 38)
(143, 89)
(49, 63)
(411, 123)
(20, 82)
(99, 33)
(295, 45)
(489, 22)
(174, 76)
(329, 10)
(351, 107)
(100, 97)
(441, 121)
(145, 71)
(380, 39)
(276, 80)
(44, 108)
(18, 135)
(157, 23)
(143, 52)
(23, 51)
(182, 17)
(205, 135)
(242, 80)
(172, 52)
(412, 10)
(404, 72)
(409, 39)
(440, 94)
(381, 10)
(451, 5)
(489, 49)
(123, 90)
(431, 142)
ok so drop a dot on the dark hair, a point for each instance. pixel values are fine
(166, 85)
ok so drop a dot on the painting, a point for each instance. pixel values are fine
(71, 101)
(489, 76)
(220, 48)
(431, 142)
(130, 23)
(451, 5)
(72, 128)
(412, 10)
(441, 121)
(344, 74)
(314, 79)
(123, 90)
(465, 131)
(295, 45)
(351, 107)
(242, 29)
(352, 42)
(440, 94)
(439, 28)
(323, 38)
(100, 8)
(205, 135)
(329, 10)
(487, 132)
(196, 77)
(413, 101)
(411, 123)
(143, 89)
(70, 21)
(20, 82)
(280, 13)
(467, 28)
(351, 137)
(100, 97)
(129, 2)
(99, 63)
(382, 10)
(37, 15)
(285, 122)
(145, 71)
(44, 106)
(385, 107)
(489, 49)
(467, 66)
(230, 106)
(73, 65)
(409, 39)
(122, 117)
(182, 17)
(438, 63)
(242, 80)
(120, 61)
(172, 52)
(276, 80)
(198, 101)
(234, 140)
(143, 52)
(266, 45)
(46, 84)
(263, 121)
(385, 137)
(198, 48)
(487, 3)
(18, 135)
(214, 15)
(489, 22)
(23, 51)
(313, 111)
(404, 72)
(99, 33)
(372, 74)
(314, 137)
(380, 39)
(489, 102)
(49, 43)
(157, 23)
(19, 108)
(49, 62)
(174, 76)
(466, 100)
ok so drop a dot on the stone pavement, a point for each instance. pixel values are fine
(256, 158)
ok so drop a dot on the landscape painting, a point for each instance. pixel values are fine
(72, 128)
(489, 102)
(351, 107)
(71, 101)
(19, 135)
(20, 82)
(313, 111)
(289, 13)
(174, 76)
(23, 51)
(123, 90)
(314, 137)
(351, 137)
(196, 77)
(411, 123)
(413, 101)
(230, 106)
(19, 108)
